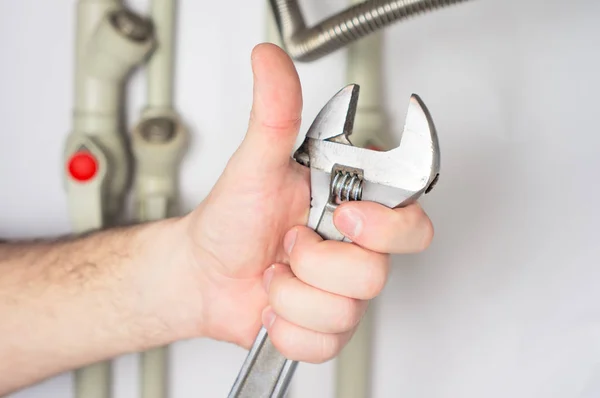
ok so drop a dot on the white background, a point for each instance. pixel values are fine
(506, 303)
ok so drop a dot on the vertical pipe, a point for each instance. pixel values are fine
(364, 67)
(160, 66)
(93, 381)
(96, 100)
(110, 41)
(273, 35)
(158, 143)
(154, 373)
(353, 364)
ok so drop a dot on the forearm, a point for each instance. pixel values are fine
(65, 304)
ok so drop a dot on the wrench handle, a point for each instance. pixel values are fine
(265, 373)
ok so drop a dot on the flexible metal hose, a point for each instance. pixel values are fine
(308, 44)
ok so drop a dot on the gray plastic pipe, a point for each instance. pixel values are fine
(110, 42)
(307, 44)
(158, 143)
(160, 76)
(364, 64)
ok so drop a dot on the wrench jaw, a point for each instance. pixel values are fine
(420, 136)
(417, 155)
(336, 118)
(394, 178)
(334, 122)
(419, 145)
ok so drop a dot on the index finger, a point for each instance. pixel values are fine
(384, 230)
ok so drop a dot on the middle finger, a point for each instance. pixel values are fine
(341, 268)
(309, 307)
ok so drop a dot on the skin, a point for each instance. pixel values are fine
(243, 258)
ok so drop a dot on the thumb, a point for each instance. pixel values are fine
(276, 111)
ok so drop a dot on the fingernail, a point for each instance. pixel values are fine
(349, 222)
(289, 240)
(268, 317)
(267, 276)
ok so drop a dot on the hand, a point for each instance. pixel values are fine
(256, 262)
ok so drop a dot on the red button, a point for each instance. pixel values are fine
(83, 166)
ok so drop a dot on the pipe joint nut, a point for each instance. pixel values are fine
(121, 41)
(131, 25)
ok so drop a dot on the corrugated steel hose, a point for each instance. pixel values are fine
(308, 44)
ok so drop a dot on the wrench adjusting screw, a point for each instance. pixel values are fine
(346, 185)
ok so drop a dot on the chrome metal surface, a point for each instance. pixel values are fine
(265, 372)
(346, 185)
(310, 43)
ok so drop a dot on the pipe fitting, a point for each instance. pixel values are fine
(111, 41)
(131, 25)
(158, 130)
(85, 171)
(158, 143)
(121, 41)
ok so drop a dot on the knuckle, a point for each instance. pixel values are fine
(277, 295)
(278, 124)
(300, 257)
(304, 256)
(300, 345)
(409, 218)
(417, 227)
(377, 277)
(349, 315)
(413, 216)
(286, 348)
(286, 340)
(330, 346)
(428, 233)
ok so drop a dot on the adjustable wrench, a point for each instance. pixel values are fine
(341, 172)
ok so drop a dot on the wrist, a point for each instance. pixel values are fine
(168, 284)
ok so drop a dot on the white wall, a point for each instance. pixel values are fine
(506, 303)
